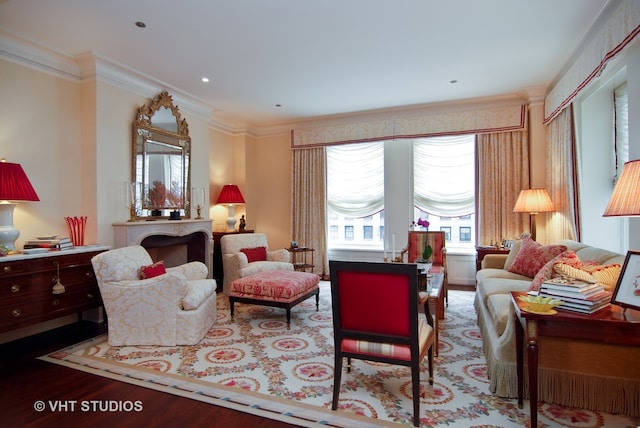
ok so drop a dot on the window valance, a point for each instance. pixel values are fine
(617, 32)
(412, 124)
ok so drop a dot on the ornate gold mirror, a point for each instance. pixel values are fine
(161, 161)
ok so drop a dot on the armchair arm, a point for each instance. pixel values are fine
(191, 270)
(143, 312)
(493, 261)
(281, 255)
(231, 265)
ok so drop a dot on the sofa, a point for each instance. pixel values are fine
(567, 368)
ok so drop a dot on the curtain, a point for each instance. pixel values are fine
(308, 205)
(561, 180)
(355, 179)
(433, 163)
(621, 101)
(502, 171)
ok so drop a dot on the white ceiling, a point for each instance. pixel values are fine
(318, 57)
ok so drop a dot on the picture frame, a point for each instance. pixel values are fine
(627, 291)
(294, 244)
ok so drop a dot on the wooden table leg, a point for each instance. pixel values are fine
(519, 359)
(532, 355)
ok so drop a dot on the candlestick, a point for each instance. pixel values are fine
(393, 246)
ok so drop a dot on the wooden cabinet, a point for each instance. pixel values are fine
(26, 286)
(302, 258)
(218, 272)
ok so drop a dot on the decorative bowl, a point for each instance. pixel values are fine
(539, 303)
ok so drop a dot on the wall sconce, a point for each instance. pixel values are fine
(532, 202)
(14, 186)
(230, 195)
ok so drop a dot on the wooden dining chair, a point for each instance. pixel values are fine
(417, 240)
(376, 318)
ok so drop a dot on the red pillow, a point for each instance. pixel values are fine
(153, 270)
(257, 254)
(533, 256)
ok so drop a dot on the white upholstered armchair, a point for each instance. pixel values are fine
(174, 308)
(244, 254)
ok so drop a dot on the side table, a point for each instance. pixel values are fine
(299, 258)
(433, 298)
(611, 325)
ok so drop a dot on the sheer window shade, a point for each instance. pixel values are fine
(444, 185)
(622, 127)
(355, 179)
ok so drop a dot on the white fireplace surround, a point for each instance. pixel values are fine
(133, 233)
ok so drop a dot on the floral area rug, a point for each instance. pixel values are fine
(255, 364)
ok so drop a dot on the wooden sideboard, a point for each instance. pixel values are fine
(26, 286)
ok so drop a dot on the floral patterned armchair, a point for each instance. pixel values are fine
(177, 307)
(244, 254)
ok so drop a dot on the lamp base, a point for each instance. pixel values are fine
(231, 220)
(8, 233)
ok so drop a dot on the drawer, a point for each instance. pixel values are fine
(40, 283)
(21, 313)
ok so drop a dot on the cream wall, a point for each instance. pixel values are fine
(73, 140)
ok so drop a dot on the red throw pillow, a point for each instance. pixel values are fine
(257, 254)
(153, 270)
(533, 256)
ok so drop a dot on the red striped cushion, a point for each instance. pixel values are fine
(401, 352)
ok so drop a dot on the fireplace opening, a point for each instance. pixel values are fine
(176, 250)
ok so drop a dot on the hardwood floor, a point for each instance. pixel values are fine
(24, 381)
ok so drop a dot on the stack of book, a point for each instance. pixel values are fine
(62, 243)
(577, 296)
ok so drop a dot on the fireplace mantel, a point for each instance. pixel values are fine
(133, 233)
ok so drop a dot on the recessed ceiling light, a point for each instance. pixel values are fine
(278, 105)
(205, 79)
(141, 24)
(453, 81)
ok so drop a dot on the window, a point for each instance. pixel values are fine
(447, 232)
(465, 234)
(443, 173)
(367, 232)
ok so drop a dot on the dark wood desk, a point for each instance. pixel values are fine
(218, 272)
(611, 325)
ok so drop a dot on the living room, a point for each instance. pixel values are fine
(66, 118)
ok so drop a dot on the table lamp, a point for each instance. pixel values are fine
(14, 186)
(625, 200)
(533, 201)
(230, 195)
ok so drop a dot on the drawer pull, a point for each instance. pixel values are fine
(89, 295)
(88, 275)
(56, 302)
(15, 288)
(7, 269)
(16, 313)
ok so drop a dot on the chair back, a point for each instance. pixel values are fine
(233, 243)
(418, 240)
(374, 301)
(120, 264)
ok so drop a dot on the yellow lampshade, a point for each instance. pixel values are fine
(625, 200)
(533, 201)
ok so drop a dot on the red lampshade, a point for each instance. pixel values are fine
(230, 194)
(14, 184)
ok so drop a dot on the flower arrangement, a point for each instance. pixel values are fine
(422, 222)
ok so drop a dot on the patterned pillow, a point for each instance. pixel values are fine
(533, 256)
(151, 271)
(257, 254)
(568, 258)
(606, 275)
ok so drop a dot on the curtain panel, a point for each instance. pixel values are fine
(618, 31)
(308, 205)
(562, 179)
(502, 171)
(413, 123)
